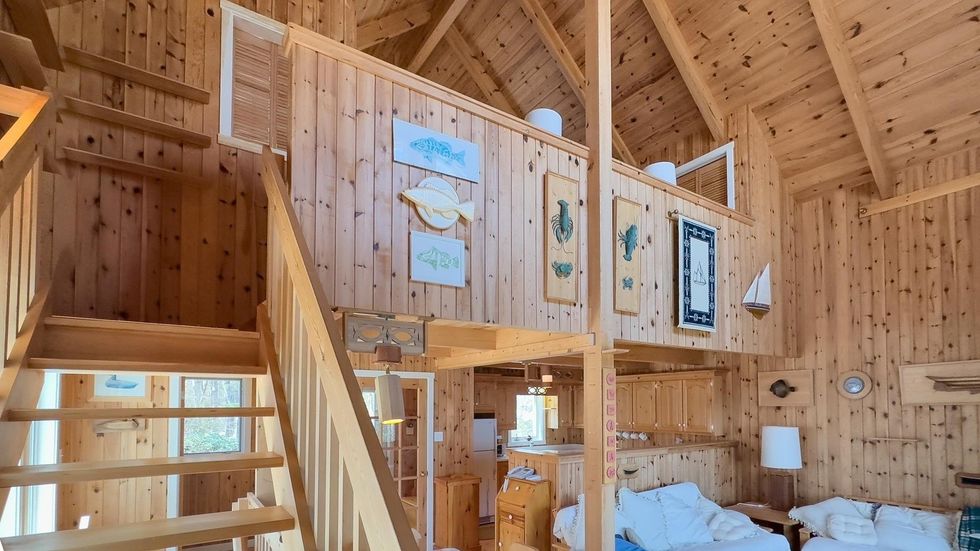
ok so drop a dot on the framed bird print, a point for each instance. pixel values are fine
(696, 275)
(628, 246)
(561, 239)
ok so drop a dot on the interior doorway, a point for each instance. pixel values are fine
(408, 446)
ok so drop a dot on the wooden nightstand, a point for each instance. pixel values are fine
(778, 520)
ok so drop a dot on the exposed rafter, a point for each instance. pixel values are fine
(32, 22)
(436, 30)
(569, 67)
(671, 34)
(917, 196)
(479, 72)
(392, 24)
(857, 102)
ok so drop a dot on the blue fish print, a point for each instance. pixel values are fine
(438, 259)
(432, 149)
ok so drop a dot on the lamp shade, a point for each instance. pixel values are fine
(390, 401)
(663, 171)
(781, 448)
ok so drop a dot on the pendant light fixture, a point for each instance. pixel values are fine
(388, 387)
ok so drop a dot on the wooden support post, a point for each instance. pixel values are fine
(599, 372)
(341, 21)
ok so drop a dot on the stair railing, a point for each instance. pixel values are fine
(351, 494)
(23, 305)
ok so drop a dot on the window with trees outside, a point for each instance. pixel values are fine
(530, 421)
(213, 434)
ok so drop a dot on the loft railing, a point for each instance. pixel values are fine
(351, 495)
(23, 305)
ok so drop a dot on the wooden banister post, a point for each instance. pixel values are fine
(600, 374)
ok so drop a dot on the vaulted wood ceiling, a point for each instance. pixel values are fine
(917, 63)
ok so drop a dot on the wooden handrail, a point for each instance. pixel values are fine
(24, 141)
(384, 522)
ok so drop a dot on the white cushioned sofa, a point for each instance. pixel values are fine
(673, 517)
(840, 524)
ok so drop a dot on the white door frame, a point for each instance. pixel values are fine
(430, 407)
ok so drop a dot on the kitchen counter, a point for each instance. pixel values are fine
(558, 450)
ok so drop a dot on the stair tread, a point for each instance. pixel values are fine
(68, 414)
(159, 533)
(124, 366)
(143, 326)
(66, 473)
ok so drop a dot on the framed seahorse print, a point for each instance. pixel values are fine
(628, 246)
(561, 239)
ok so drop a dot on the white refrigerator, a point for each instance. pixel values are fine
(485, 462)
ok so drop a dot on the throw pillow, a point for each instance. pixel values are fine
(731, 526)
(969, 533)
(662, 522)
(815, 516)
(850, 529)
(902, 529)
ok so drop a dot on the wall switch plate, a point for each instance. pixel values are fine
(437, 436)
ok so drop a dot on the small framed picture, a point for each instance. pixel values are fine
(437, 259)
(121, 387)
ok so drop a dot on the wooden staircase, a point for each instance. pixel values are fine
(88, 346)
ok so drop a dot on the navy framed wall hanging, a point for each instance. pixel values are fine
(696, 275)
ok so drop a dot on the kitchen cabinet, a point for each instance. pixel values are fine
(506, 409)
(644, 406)
(680, 401)
(578, 406)
(701, 407)
(624, 405)
(566, 406)
(484, 395)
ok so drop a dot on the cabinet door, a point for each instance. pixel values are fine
(644, 406)
(565, 409)
(698, 405)
(624, 405)
(578, 406)
(485, 395)
(509, 534)
(506, 407)
(670, 405)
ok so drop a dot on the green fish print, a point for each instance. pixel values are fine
(431, 149)
(561, 225)
(438, 259)
(629, 241)
(563, 270)
(628, 283)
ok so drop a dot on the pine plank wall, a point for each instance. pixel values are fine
(871, 293)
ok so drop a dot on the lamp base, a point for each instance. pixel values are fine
(780, 490)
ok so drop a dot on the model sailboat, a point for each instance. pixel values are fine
(758, 299)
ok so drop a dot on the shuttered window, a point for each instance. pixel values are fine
(260, 91)
(710, 181)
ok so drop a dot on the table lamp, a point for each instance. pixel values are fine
(781, 450)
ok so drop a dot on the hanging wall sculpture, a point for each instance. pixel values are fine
(696, 275)
(626, 232)
(561, 238)
(437, 259)
(420, 147)
(438, 204)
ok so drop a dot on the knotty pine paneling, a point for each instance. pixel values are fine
(347, 200)
(144, 250)
(874, 294)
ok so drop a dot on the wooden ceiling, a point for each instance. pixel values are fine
(916, 63)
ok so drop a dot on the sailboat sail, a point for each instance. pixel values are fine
(758, 299)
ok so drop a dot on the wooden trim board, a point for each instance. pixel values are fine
(115, 68)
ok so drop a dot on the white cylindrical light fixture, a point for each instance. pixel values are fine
(388, 387)
(548, 120)
(663, 171)
(546, 377)
(781, 448)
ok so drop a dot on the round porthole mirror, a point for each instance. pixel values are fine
(854, 385)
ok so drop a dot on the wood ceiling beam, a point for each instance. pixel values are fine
(21, 62)
(932, 192)
(566, 63)
(529, 352)
(834, 42)
(32, 22)
(479, 72)
(391, 25)
(670, 33)
(436, 31)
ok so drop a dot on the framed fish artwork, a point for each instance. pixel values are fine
(696, 275)
(430, 150)
(561, 239)
(628, 247)
(437, 259)
(120, 387)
